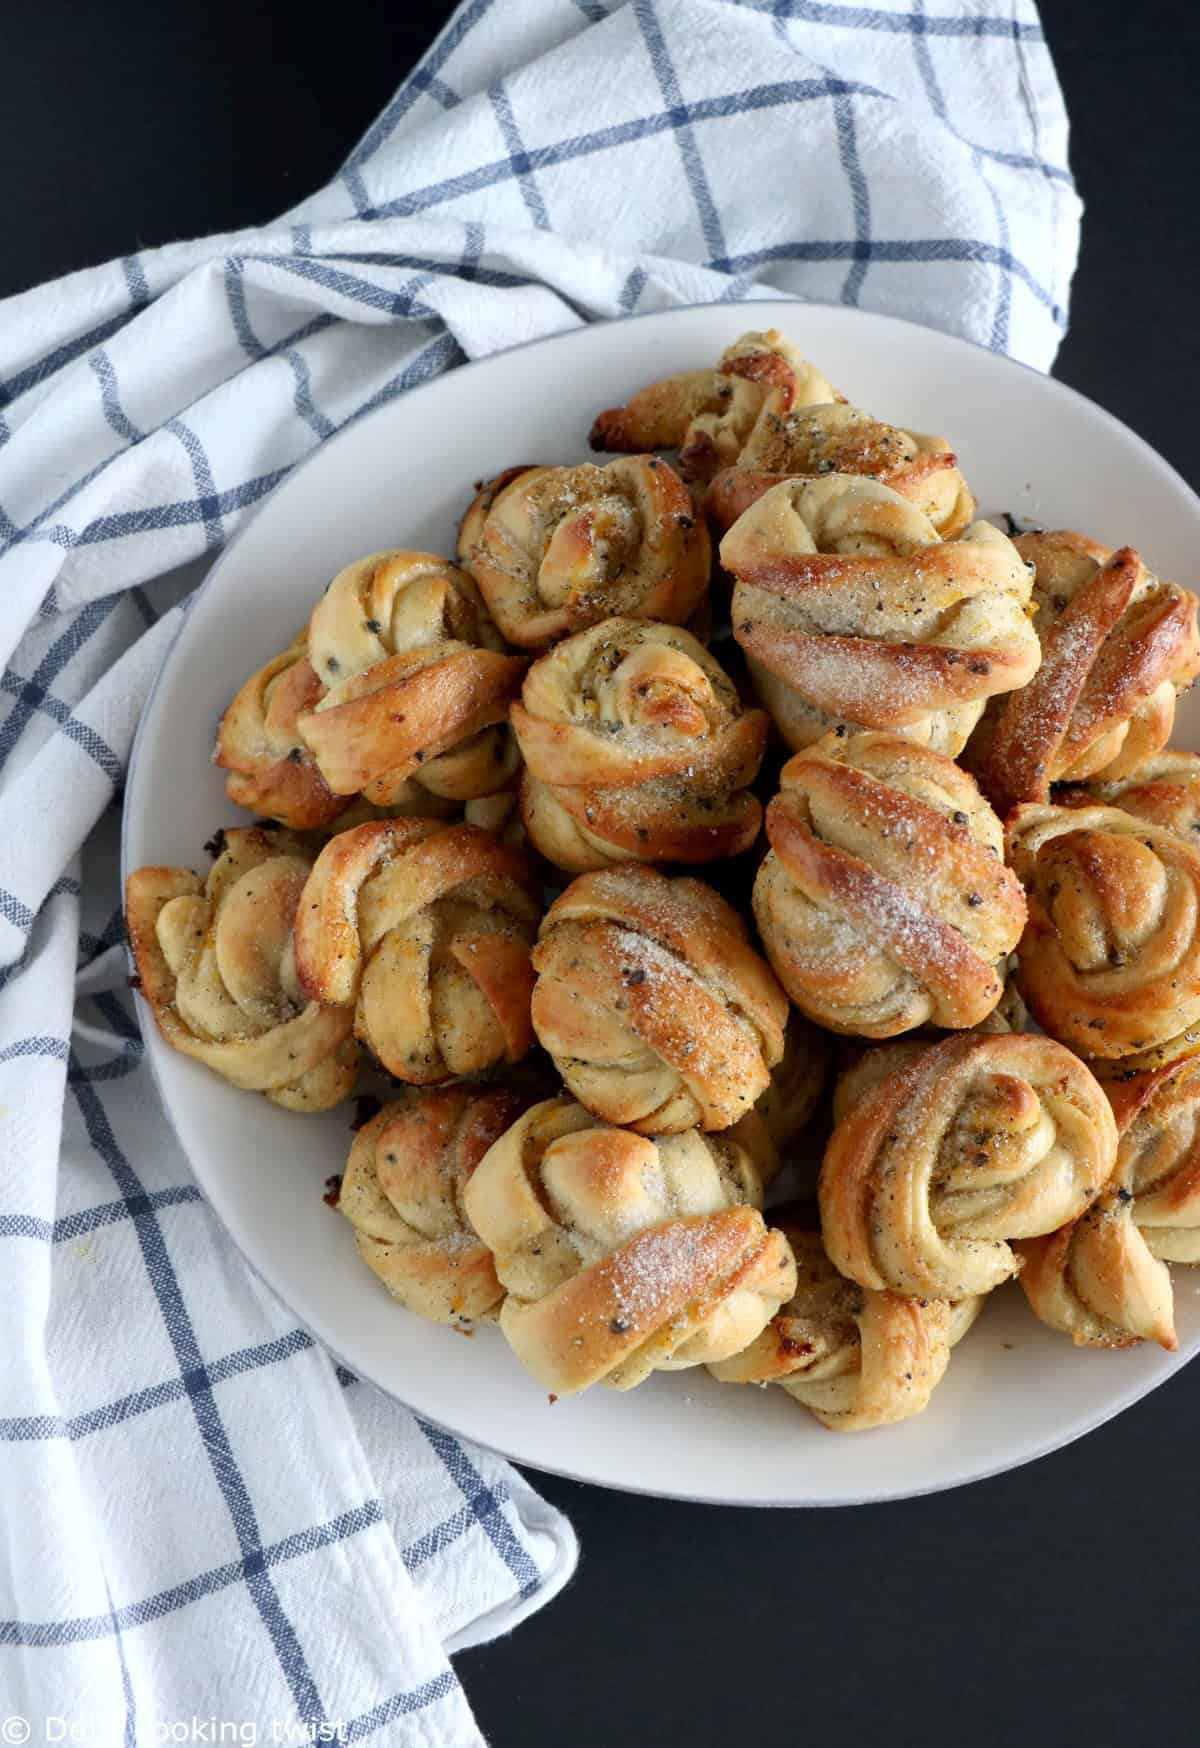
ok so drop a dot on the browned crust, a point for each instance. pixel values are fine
(1074, 697)
(395, 715)
(271, 772)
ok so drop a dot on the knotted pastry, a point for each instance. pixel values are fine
(403, 1190)
(1110, 958)
(418, 684)
(271, 771)
(1117, 646)
(1158, 1116)
(1096, 1278)
(976, 1141)
(853, 612)
(1165, 791)
(637, 748)
(710, 415)
(656, 1009)
(884, 903)
(855, 1357)
(422, 932)
(556, 549)
(842, 439)
(216, 962)
(623, 1254)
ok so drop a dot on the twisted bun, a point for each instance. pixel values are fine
(1158, 1115)
(656, 1009)
(636, 748)
(710, 415)
(1110, 958)
(1117, 645)
(1096, 1279)
(418, 683)
(976, 1141)
(884, 903)
(271, 771)
(854, 1356)
(556, 549)
(843, 439)
(403, 1190)
(215, 960)
(622, 1254)
(1165, 791)
(853, 612)
(423, 932)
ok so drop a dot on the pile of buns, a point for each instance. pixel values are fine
(961, 925)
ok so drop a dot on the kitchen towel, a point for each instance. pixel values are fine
(204, 1518)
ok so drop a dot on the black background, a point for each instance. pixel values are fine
(1056, 1604)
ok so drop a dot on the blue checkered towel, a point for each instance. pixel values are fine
(547, 164)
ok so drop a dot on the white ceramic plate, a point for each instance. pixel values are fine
(401, 477)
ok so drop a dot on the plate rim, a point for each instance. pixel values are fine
(154, 1042)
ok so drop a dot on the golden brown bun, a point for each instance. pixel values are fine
(656, 1009)
(271, 771)
(843, 439)
(852, 612)
(403, 1193)
(556, 549)
(710, 415)
(1097, 1280)
(1117, 645)
(1158, 1115)
(884, 903)
(1110, 959)
(621, 1254)
(974, 1142)
(855, 1357)
(636, 748)
(215, 960)
(423, 932)
(418, 684)
(1165, 791)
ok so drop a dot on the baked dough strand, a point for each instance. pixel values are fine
(622, 1254)
(853, 612)
(216, 962)
(636, 748)
(556, 549)
(977, 1141)
(656, 1009)
(884, 903)
(417, 682)
(423, 932)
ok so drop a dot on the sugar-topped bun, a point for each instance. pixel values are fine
(216, 962)
(1117, 646)
(556, 549)
(884, 903)
(622, 1254)
(656, 1009)
(964, 1147)
(636, 748)
(837, 438)
(853, 612)
(855, 1357)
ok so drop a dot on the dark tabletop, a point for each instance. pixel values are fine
(1053, 1605)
